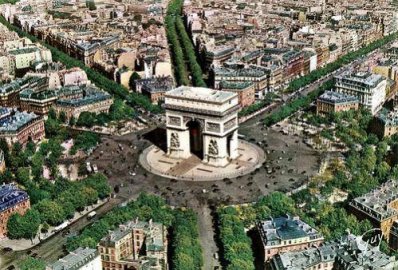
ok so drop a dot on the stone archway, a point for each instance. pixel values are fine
(195, 138)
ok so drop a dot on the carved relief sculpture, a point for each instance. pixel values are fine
(213, 127)
(213, 148)
(174, 120)
(174, 140)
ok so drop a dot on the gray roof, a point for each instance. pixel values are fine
(75, 259)
(10, 195)
(16, 120)
(337, 98)
(388, 118)
(375, 204)
(275, 230)
(350, 252)
(366, 79)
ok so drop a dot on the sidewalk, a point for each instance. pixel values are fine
(23, 244)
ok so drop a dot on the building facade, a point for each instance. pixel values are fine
(370, 89)
(332, 102)
(204, 122)
(134, 245)
(283, 234)
(93, 100)
(245, 90)
(12, 200)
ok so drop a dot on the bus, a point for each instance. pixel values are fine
(91, 215)
(61, 226)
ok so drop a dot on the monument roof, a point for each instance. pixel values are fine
(200, 94)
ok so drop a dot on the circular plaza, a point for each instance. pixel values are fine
(156, 161)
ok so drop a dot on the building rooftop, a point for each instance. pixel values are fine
(337, 98)
(387, 117)
(75, 259)
(366, 79)
(90, 95)
(200, 94)
(235, 85)
(276, 230)
(250, 71)
(350, 252)
(16, 120)
(376, 204)
(10, 195)
(157, 84)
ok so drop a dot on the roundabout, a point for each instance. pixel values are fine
(156, 161)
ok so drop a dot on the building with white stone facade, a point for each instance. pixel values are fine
(203, 122)
(370, 89)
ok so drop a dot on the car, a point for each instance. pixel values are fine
(7, 249)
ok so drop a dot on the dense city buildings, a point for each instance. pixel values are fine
(17, 126)
(370, 89)
(332, 102)
(379, 206)
(135, 245)
(350, 252)
(288, 38)
(283, 234)
(79, 259)
(12, 200)
(17, 54)
(116, 37)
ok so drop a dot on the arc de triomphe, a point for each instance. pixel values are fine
(203, 122)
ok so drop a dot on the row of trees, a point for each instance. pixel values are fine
(117, 90)
(293, 106)
(236, 245)
(181, 47)
(180, 71)
(56, 203)
(258, 105)
(186, 248)
(118, 111)
(344, 60)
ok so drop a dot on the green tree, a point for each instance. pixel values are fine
(72, 121)
(135, 76)
(25, 226)
(50, 212)
(23, 175)
(62, 117)
(30, 263)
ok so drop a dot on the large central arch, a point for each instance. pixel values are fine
(202, 122)
(195, 138)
